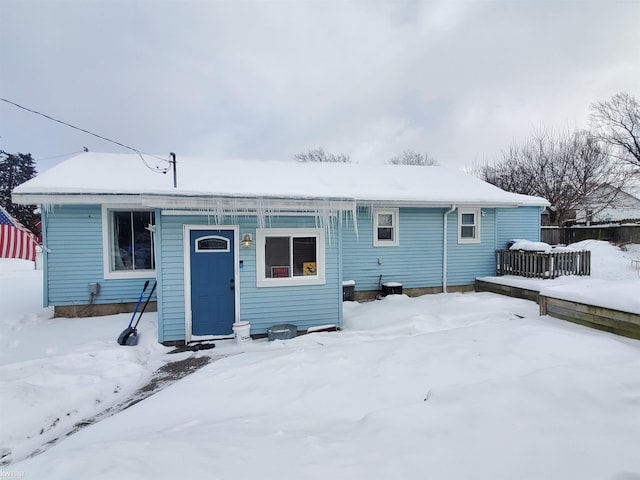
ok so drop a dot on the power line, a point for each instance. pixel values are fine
(69, 125)
(58, 156)
(155, 169)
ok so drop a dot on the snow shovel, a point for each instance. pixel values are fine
(132, 338)
(127, 331)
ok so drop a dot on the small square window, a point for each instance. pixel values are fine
(385, 227)
(385, 219)
(469, 226)
(467, 231)
(468, 218)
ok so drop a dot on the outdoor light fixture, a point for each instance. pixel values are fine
(246, 239)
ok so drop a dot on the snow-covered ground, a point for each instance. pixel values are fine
(452, 386)
(613, 282)
(57, 372)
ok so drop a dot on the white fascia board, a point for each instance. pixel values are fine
(439, 204)
(169, 201)
(245, 204)
(75, 198)
(244, 212)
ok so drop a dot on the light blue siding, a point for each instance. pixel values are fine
(522, 222)
(74, 238)
(415, 262)
(170, 264)
(467, 261)
(304, 306)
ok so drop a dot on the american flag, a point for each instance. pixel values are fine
(16, 241)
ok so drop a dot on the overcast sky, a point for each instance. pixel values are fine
(267, 79)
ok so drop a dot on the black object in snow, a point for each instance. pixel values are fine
(129, 335)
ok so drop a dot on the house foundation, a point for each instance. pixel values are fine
(98, 310)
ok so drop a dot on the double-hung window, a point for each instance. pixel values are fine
(469, 225)
(385, 227)
(128, 242)
(289, 256)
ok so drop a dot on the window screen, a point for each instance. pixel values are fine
(385, 226)
(468, 227)
(131, 242)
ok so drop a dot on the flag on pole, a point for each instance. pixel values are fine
(16, 241)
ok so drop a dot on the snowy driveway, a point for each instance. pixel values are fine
(443, 386)
(452, 386)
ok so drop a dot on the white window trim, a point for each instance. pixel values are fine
(106, 233)
(477, 216)
(395, 215)
(318, 279)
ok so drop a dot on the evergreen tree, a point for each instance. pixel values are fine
(15, 169)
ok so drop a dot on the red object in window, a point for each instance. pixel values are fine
(279, 272)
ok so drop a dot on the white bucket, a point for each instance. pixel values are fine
(242, 332)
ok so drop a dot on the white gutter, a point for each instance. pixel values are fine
(444, 255)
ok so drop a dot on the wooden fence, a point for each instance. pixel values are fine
(542, 265)
(609, 233)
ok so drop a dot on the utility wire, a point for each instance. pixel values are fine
(58, 156)
(155, 169)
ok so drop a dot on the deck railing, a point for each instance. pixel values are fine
(541, 264)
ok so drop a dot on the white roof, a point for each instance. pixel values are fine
(633, 188)
(88, 177)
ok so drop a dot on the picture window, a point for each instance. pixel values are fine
(289, 257)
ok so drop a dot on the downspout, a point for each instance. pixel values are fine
(340, 277)
(444, 256)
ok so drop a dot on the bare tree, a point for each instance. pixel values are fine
(319, 155)
(572, 170)
(595, 178)
(616, 122)
(410, 157)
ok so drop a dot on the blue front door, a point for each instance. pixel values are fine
(212, 282)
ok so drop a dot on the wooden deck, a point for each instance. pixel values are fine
(508, 290)
(541, 264)
(615, 321)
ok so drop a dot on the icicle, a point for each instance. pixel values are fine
(325, 213)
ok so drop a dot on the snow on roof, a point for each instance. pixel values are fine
(126, 174)
(633, 188)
